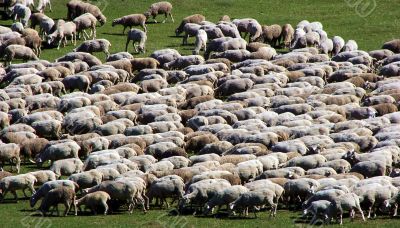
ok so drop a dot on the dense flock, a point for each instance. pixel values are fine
(238, 129)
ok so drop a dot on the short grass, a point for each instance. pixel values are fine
(338, 17)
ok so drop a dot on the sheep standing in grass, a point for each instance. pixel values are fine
(16, 51)
(136, 35)
(351, 45)
(159, 8)
(94, 200)
(64, 29)
(10, 153)
(201, 41)
(19, 182)
(195, 18)
(83, 22)
(21, 12)
(287, 35)
(131, 20)
(90, 46)
(338, 44)
(56, 196)
(46, 25)
(42, 6)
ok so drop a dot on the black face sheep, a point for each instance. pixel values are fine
(98, 45)
(131, 20)
(56, 196)
(139, 36)
(159, 8)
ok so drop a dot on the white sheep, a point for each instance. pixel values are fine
(159, 8)
(201, 41)
(10, 153)
(19, 182)
(136, 35)
(83, 22)
(351, 45)
(338, 44)
(98, 45)
(42, 6)
(63, 30)
(21, 12)
(94, 200)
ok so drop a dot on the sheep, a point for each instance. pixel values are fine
(63, 30)
(224, 197)
(18, 182)
(348, 201)
(80, 82)
(338, 44)
(21, 12)
(67, 167)
(393, 45)
(139, 36)
(370, 168)
(58, 151)
(351, 45)
(131, 20)
(272, 34)
(47, 26)
(10, 153)
(42, 6)
(97, 45)
(84, 22)
(94, 200)
(195, 18)
(167, 186)
(58, 195)
(43, 176)
(184, 61)
(287, 35)
(77, 8)
(318, 209)
(16, 51)
(159, 8)
(254, 199)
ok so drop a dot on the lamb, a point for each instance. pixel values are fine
(18, 182)
(139, 36)
(131, 20)
(195, 18)
(254, 199)
(16, 51)
(159, 8)
(56, 196)
(63, 30)
(318, 209)
(98, 45)
(94, 200)
(224, 197)
(21, 12)
(83, 22)
(10, 153)
(46, 187)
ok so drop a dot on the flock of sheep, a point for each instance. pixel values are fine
(316, 128)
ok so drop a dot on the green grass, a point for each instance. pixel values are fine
(337, 17)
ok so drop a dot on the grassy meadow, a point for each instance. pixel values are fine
(339, 17)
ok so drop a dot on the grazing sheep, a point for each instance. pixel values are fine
(139, 36)
(338, 44)
(131, 20)
(393, 45)
(253, 199)
(98, 45)
(351, 45)
(42, 6)
(21, 12)
(18, 182)
(77, 8)
(272, 34)
(159, 8)
(67, 166)
(16, 51)
(94, 200)
(83, 22)
(201, 41)
(10, 153)
(195, 18)
(63, 30)
(56, 196)
(287, 35)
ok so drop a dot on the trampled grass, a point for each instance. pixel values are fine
(338, 17)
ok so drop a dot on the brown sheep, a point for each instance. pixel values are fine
(131, 20)
(159, 8)
(385, 108)
(144, 63)
(30, 148)
(287, 35)
(56, 196)
(254, 46)
(272, 34)
(5, 174)
(123, 64)
(197, 143)
(195, 18)
(393, 45)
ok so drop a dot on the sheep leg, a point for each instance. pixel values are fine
(94, 32)
(51, 10)
(341, 218)
(165, 19)
(126, 46)
(123, 31)
(172, 18)
(15, 195)
(395, 210)
(154, 19)
(144, 27)
(85, 33)
(314, 219)
(67, 208)
(105, 208)
(4, 195)
(23, 191)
